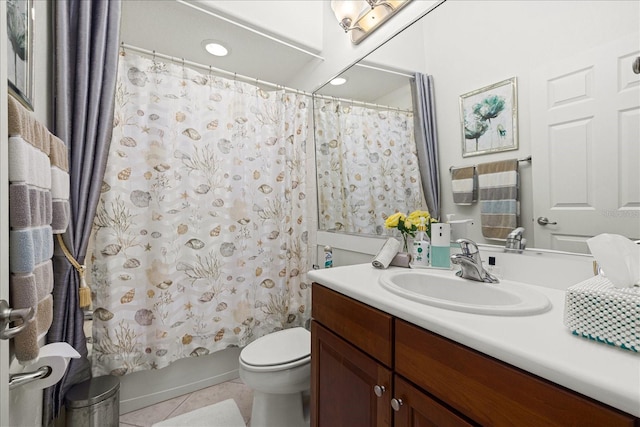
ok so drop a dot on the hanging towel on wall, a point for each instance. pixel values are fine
(499, 198)
(38, 207)
(464, 185)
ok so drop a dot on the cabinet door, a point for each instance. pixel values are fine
(414, 408)
(343, 383)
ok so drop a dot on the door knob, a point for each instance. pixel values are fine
(379, 390)
(8, 315)
(543, 220)
(396, 404)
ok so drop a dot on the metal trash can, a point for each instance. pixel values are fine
(94, 402)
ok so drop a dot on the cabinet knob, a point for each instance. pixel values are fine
(396, 404)
(379, 390)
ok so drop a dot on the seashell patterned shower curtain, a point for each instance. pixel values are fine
(201, 230)
(367, 166)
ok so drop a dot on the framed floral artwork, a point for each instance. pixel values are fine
(489, 119)
(20, 50)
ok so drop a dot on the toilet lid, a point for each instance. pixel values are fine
(278, 348)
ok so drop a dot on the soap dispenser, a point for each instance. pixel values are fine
(421, 247)
(440, 248)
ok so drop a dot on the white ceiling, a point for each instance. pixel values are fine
(177, 29)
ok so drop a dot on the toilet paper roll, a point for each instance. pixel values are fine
(55, 355)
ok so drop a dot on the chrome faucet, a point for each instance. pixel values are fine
(515, 242)
(470, 263)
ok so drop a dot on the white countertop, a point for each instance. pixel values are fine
(539, 344)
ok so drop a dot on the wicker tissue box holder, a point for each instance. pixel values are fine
(597, 310)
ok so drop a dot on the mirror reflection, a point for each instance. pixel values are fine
(577, 104)
(367, 164)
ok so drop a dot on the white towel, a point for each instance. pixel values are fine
(37, 160)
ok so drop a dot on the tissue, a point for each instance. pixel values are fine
(618, 257)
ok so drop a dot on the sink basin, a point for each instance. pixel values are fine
(446, 290)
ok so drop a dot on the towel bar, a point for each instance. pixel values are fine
(16, 380)
(524, 159)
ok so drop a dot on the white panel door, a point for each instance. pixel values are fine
(585, 130)
(4, 216)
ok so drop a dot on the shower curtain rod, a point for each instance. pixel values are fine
(365, 104)
(248, 79)
(210, 68)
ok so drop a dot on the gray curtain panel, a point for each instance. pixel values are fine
(86, 60)
(427, 140)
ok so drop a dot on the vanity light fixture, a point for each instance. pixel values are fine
(361, 17)
(215, 48)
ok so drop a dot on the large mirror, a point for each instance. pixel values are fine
(366, 158)
(577, 101)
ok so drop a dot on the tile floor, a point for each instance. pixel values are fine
(234, 389)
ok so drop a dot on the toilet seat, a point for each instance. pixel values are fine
(277, 351)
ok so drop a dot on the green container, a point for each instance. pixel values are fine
(440, 257)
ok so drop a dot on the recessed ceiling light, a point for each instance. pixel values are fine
(215, 48)
(338, 81)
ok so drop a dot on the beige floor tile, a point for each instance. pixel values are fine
(145, 417)
(242, 394)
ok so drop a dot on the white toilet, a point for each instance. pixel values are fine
(278, 369)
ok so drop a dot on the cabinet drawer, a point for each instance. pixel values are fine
(489, 391)
(365, 327)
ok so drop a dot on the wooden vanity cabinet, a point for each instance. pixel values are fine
(418, 409)
(351, 355)
(363, 361)
(489, 391)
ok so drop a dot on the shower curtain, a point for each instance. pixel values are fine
(367, 166)
(201, 230)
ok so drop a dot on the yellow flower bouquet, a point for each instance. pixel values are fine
(408, 224)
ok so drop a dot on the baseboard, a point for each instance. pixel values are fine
(142, 389)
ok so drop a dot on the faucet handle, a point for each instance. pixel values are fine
(468, 247)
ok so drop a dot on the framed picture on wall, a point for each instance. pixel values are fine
(489, 117)
(20, 50)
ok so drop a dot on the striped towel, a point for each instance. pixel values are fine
(38, 207)
(499, 198)
(464, 185)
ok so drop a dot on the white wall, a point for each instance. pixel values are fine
(495, 40)
(338, 51)
(299, 23)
